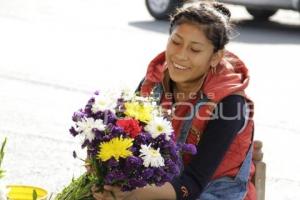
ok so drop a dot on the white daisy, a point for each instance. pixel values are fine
(151, 157)
(158, 126)
(87, 125)
(104, 102)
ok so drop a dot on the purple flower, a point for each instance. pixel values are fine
(99, 134)
(169, 176)
(174, 152)
(91, 101)
(147, 173)
(115, 131)
(92, 152)
(189, 148)
(179, 146)
(134, 182)
(114, 176)
(161, 139)
(85, 144)
(112, 163)
(73, 131)
(159, 172)
(98, 115)
(173, 168)
(77, 116)
(159, 176)
(143, 138)
(107, 138)
(109, 117)
(133, 162)
(88, 107)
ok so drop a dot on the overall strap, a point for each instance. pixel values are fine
(140, 85)
(244, 171)
(187, 123)
(158, 91)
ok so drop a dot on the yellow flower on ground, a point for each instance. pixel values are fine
(116, 147)
(139, 111)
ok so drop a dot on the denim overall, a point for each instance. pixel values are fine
(228, 188)
(224, 188)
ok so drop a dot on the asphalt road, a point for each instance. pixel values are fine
(54, 54)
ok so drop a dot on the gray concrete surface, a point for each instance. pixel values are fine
(54, 54)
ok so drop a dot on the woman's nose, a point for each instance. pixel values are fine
(181, 54)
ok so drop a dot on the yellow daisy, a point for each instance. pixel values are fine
(139, 111)
(116, 147)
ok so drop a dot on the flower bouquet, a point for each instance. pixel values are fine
(129, 142)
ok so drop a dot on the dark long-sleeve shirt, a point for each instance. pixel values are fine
(215, 141)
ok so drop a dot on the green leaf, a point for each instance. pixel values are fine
(2, 156)
(1, 173)
(2, 150)
(79, 189)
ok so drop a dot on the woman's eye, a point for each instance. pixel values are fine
(175, 42)
(195, 50)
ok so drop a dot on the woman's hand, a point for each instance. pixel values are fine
(111, 193)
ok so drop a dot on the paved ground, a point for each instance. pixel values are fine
(54, 54)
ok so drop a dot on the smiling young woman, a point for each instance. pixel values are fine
(210, 108)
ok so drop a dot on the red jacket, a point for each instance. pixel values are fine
(231, 78)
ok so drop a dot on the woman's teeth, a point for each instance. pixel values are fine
(179, 66)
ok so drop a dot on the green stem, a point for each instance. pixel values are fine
(99, 174)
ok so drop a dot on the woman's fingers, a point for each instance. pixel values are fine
(109, 193)
(113, 191)
(106, 196)
(112, 188)
(116, 192)
(94, 188)
(109, 188)
(98, 196)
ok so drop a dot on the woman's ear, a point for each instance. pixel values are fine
(217, 57)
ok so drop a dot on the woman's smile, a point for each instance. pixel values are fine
(180, 67)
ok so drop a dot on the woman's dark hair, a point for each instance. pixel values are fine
(211, 16)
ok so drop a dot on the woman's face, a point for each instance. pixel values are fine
(189, 53)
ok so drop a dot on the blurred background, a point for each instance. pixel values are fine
(54, 54)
